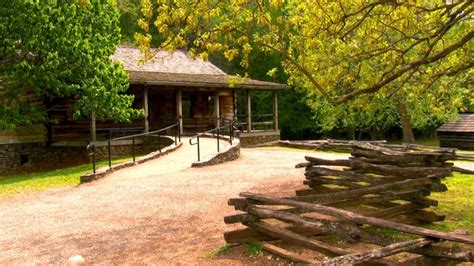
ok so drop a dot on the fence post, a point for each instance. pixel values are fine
(133, 148)
(199, 154)
(108, 148)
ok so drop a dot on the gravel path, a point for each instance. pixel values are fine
(160, 212)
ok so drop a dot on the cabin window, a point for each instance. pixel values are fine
(187, 105)
(212, 106)
(24, 159)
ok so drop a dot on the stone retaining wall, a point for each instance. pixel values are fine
(28, 157)
(232, 153)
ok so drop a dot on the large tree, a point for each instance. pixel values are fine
(61, 48)
(406, 52)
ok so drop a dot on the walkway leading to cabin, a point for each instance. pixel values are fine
(175, 161)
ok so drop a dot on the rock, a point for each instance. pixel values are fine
(77, 260)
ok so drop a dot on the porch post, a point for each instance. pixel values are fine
(234, 105)
(145, 107)
(275, 109)
(217, 106)
(93, 131)
(249, 111)
(179, 109)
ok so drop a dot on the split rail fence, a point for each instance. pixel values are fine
(377, 187)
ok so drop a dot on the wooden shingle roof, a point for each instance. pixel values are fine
(178, 69)
(465, 123)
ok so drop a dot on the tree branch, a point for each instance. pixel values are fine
(424, 61)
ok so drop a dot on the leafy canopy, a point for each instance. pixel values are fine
(335, 45)
(375, 51)
(59, 49)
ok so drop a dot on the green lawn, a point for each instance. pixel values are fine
(457, 203)
(17, 183)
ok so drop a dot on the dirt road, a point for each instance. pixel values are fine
(160, 212)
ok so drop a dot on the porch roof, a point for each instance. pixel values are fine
(178, 69)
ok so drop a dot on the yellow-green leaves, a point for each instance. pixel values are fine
(336, 50)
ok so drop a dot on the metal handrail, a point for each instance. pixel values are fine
(177, 136)
(215, 132)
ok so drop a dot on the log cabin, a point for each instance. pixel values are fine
(458, 133)
(170, 87)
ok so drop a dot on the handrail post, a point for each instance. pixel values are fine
(159, 141)
(93, 158)
(176, 136)
(230, 133)
(133, 148)
(179, 132)
(218, 139)
(198, 146)
(108, 148)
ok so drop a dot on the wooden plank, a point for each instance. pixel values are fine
(287, 254)
(334, 181)
(348, 175)
(395, 211)
(407, 172)
(248, 234)
(357, 218)
(354, 194)
(356, 258)
(370, 199)
(306, 242)
(287, 235)
(351, 194)
(345, 231)
(462, 170)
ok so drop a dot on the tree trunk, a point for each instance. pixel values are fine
(408, 136)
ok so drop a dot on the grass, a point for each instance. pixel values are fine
(28, 182)
(457, 204)
(218, 252)
(253, 249)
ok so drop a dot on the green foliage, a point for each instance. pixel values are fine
(253, 249)
(129, 15)
(61, 49)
